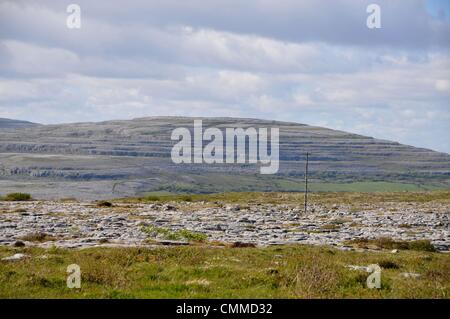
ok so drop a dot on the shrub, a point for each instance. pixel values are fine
(38, 237)
(19, 244)
(239, 244)
(421, 245)
(17, 197)
(389, 243)
(387, 264)
(104, 203)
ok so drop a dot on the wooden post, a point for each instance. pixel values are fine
(306, 183)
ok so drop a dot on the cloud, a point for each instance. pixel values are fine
(409, 24)
(306, 61)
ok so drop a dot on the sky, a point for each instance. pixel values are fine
(312, 62)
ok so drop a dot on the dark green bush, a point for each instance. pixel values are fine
(17, 197)
(387, 264)
(104, 203)
(421, 245)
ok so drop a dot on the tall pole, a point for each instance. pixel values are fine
(306, 183)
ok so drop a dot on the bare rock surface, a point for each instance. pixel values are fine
(84, 224)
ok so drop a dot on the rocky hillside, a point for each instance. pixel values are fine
(126, 158)
(8, 124)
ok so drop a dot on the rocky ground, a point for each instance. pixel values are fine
(84, 224)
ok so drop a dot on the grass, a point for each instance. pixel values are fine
(226, 182)
(206, 272)
(246, 198)
(239, 270)
(389, 243)
(182, 234)
(330, 227)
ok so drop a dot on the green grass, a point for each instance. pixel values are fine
(389, 243)
(353, 198)
(182, 234)
(206, 272)
(369, 187)
(200, 271)
(219, 182)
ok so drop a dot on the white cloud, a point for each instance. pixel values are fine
(33, 60)
(290, 60)
(442, 85)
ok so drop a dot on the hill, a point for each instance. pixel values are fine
(129, 158)
(8, 123)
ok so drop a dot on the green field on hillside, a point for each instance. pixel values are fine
(218, 183)
(353, 198)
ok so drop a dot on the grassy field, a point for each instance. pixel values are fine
(217, 183)
(212, 270)
(355, 198)
(337, 197)
(208, 272)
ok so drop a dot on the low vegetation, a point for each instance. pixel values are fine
(206, 272)
(389, 243)
(167, 234)
(38, 237)
(239, 270)
(104, 203)
(388, 264)
(354, 199)
(16, 197)
(330, 227)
